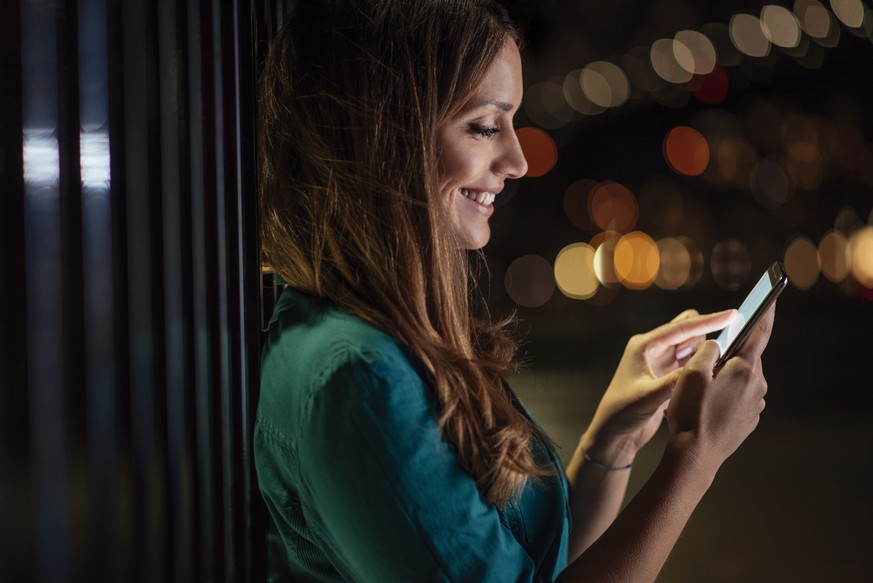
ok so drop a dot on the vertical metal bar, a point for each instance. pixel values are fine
(250, 52)
(101, 503)
(204, 286)
(225, 180)
(44, 282)
(16, 498)
(175, 188)
(75, 404)
(122, 523)
(146, 324)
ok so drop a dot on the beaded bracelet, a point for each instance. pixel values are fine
(607, 467)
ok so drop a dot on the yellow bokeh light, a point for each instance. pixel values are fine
(832, 253)
(675, 267)
(802, 263)
(574, 271)
(663, 57)
(780, 26)
(861, 253)
(747, 34)
(850, 12)
(815, 20)
(605, 84)
(694, 52)
(636, 260)
(574, 95)
(604, 267)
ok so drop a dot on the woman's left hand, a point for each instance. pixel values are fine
(632, 408)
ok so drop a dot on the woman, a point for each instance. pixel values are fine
(388, 446)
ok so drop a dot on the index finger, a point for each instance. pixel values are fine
(678, 331)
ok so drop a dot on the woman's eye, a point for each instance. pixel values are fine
(483, 130)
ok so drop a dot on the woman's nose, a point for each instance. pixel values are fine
(511, 162)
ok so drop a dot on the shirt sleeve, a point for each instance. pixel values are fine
(386, 493)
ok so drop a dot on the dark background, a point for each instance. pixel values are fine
(792, 504)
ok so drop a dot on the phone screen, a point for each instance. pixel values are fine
(758, 300)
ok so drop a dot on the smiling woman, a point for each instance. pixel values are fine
(478, 148)
(388, 445)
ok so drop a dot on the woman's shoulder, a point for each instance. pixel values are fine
(310, 332)
(310, 341)
(316, 353)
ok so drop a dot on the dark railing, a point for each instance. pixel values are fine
(129, 289)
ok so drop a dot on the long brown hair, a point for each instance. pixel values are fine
(352, 95)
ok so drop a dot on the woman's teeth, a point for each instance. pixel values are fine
(481, 197)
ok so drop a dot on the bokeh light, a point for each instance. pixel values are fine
(535, 98)
(770, 184)
(694, 52)
(638, 64)
(574, 271)
(663, 58)
(850, 12)
(815, 20)
(555, 102)
(734, 160)
(530, 281)
(686, 151)
(574, 95)
(802, 263)
(832, 253)
(576, 203)
(780, 26)
(539, 149)
(861, 252)
(712, 88)
(675, 264)
(695, 273)
(730, 264)
(613, 206)
(605, 84)
(604, 265)
(747, 34)
(636, 260)
(808, 165)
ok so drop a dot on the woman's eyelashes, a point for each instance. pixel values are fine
(483, 130)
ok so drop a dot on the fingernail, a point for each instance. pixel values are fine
(683, 352)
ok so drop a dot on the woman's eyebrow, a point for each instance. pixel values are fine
(503, 105)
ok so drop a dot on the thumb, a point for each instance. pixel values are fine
(705, 357)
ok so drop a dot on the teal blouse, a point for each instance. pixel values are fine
(359, 485)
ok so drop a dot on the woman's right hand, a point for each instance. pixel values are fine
(711, 414)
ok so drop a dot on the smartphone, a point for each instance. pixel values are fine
(753, 307)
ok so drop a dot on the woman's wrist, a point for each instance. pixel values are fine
(611, 454)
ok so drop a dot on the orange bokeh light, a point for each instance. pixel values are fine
(636, 260)
(612, 206)
(539, 149)
(686, 151)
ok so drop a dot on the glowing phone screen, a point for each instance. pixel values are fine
(755, 298)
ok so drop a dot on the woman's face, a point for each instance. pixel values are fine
(479, 150)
